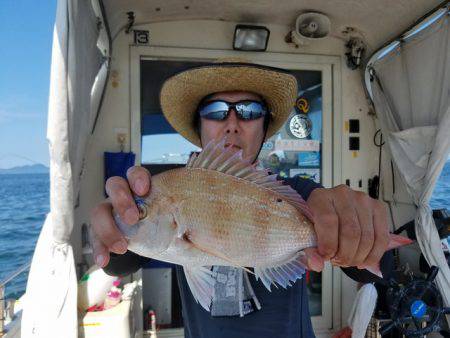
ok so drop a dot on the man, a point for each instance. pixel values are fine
(247, 103)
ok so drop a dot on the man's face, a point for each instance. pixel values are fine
(245, 135)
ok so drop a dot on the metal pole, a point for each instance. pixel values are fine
(9, 311)
(2, 296)
(2, 310)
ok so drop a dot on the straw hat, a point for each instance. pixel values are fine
(182, 92)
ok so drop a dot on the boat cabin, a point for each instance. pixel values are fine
(333, 135)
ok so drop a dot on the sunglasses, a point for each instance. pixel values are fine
(219, 110)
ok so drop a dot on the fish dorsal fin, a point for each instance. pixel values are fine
(284, 274)
(215, 156)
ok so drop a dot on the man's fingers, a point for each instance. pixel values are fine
(381, 234)
(313, 260)
(100, 252)
(122, 199)
(325, 223)
(105, 229)
(139, 179)
(349, 228)
(365, 218)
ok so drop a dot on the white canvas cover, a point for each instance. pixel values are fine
(411, 93)
(78, 77)
(362, 310)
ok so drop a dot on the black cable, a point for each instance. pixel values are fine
(379, 145)
(393, 178)
(381, 138)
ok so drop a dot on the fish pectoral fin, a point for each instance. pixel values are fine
(215, 253)
(201, 283)
(284, 273)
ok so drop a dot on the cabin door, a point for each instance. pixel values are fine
(303, 146)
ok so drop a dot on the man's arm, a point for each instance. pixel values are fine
(302, 185)
(123, 265)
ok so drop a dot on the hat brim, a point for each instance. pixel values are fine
(182, 92)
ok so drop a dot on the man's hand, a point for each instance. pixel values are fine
(351, 227)
(105, 236)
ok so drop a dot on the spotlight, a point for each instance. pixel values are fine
(251, 38)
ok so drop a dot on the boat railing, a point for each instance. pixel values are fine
(7, 306)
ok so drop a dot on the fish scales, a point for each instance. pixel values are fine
(236, 216)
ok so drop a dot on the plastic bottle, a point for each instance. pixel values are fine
(93, 287)
(113, 297)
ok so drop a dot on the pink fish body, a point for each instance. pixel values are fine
(220, 210)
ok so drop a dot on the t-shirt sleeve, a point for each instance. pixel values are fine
(302, 185)
(123, 265)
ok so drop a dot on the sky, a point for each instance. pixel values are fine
(26, 29)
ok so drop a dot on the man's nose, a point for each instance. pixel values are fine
(232, 125)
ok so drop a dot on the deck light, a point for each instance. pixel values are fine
(251, 38)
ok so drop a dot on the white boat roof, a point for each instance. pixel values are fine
(378, 20)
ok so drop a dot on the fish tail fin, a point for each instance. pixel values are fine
(375, 269)
(397, 241)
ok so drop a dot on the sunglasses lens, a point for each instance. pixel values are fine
(214, 110)
(251, 110)
(246, 110)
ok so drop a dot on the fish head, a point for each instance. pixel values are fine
(156, 227)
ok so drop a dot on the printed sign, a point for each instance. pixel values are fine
(267, 145)
(300, 126)
(141, 37)
(309, 159)
(312, 174)
(297, 145)
(302, 105)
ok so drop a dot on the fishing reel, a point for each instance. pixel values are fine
(416, 309)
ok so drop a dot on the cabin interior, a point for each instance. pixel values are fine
(337, 140)
(151, 40)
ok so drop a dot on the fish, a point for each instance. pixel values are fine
(221, 210)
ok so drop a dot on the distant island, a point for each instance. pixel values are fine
(26, 169)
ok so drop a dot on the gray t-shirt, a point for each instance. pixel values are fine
(284, 313)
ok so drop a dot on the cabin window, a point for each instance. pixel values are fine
(296, 148)
(161, 145)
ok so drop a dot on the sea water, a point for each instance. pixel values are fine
(24, 203)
